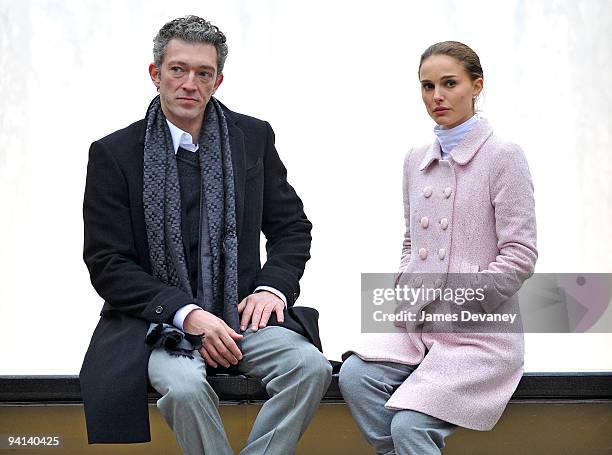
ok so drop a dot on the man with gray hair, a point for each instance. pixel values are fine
(173, 211)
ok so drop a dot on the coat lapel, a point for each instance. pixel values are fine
(433, 153)
(236, 139)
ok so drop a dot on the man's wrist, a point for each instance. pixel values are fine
(181, 314)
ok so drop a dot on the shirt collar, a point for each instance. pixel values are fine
(450, 137)
(465, 150)
(181, 138)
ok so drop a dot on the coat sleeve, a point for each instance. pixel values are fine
(407, 243)
(109, 251)
(285, 226)
(511, 192)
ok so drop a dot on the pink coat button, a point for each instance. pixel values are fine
(427, 191)
(444, 223)
(447, 192)
(424, 222)
(423, 253)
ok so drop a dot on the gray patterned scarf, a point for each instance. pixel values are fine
(162, 209)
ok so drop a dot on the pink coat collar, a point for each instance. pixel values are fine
(465, 150)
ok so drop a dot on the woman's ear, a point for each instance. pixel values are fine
(477, 87)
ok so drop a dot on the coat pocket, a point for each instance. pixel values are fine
(254, 171)
(468, 267)
(468, 276)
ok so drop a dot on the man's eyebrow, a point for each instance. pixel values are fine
(179, 62)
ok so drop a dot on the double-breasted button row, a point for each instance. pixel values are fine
(423, 253)
(441, 252)
(428, 191)
(425, 223)
(417, 282)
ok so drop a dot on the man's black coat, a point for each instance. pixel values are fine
(113, 377)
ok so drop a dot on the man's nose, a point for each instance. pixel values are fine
(189, 82)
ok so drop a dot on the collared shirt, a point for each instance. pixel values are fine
(181, 138)
(184, 140)
(449, 138)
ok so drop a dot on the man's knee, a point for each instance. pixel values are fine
(314, 366)
(178, 377)
(190, 386)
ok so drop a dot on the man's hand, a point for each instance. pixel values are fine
(219, 345)
(257, 308)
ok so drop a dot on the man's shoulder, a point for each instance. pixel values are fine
(245, 122)
(129, 136)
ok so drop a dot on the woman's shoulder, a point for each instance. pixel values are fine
(504, 152)
(416, 154)
(504, 157)
(500, 145)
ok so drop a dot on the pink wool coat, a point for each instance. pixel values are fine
(471, 214)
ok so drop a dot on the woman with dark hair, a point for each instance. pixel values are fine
(470, 219)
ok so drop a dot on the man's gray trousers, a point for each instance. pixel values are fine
(296, 375)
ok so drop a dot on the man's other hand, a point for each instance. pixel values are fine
(219, 345)
(257, 308)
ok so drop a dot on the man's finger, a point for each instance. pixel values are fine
(265, 316)
(280, 315)
(207, 358)
(246, 314)
(215, 355)
(256, 317)
(241, 305)
(234, 334)
(231, 346)
(221, 345)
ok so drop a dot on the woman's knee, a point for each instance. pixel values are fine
(415, 428)
(351, 375)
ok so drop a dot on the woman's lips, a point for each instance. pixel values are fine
(440, 110)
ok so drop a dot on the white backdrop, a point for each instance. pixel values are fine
(338, 82)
